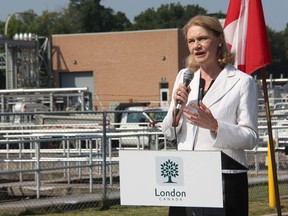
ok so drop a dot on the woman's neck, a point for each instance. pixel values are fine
(210, 73)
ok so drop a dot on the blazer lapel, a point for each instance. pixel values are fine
(223, 83)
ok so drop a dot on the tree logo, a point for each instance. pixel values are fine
(169, 169)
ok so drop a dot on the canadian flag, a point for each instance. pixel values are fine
(246, 35)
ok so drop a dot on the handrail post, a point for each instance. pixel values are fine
(104, 165)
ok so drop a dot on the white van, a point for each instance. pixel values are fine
(141, 120)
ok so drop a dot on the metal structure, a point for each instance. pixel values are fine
(45, 99)
(23, 61)
(68, 166)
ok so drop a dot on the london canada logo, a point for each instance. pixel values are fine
(169, 172)
(169, 169)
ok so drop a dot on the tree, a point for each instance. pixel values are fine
(285, 35)
(20, 22)
(166, 16)
(46, 24)
(82, 16)
(29, 22)
(169, 169)
(279, 53)
(121, 22)
(94, 17)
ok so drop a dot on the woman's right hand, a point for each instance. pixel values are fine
(181, 94)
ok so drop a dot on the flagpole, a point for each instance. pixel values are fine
(271, 146)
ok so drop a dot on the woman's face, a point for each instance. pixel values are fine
(203, 45)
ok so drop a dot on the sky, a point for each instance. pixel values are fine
(275, 11)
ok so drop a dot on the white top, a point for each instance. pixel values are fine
(233, 101)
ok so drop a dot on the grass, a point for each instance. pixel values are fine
(121, 211)
(262, 208)
(258, 206)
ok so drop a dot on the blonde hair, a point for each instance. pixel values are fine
(214, 26)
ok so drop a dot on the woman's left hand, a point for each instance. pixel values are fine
(202, 117)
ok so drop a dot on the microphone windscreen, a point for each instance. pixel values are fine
(188, 76)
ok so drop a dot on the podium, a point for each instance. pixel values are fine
(173, 178)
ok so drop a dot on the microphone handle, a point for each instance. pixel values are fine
(179, 103)
(178, 107)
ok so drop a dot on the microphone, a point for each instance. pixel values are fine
(187, 77)
(201, 88)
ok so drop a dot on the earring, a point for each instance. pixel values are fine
(220, 45)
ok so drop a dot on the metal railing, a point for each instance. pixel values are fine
(43, 166)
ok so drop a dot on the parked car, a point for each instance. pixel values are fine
(140, 120)
(280, 108)
(280, 111)
(279, 132)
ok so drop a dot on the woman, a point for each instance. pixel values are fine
(219, 111)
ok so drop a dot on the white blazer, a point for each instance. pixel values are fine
(233, 101)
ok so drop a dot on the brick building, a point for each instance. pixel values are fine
(120, 67)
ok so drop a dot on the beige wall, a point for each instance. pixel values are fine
(126, 65)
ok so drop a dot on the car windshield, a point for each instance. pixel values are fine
(136, 117)
(281, 106)
(156, 115)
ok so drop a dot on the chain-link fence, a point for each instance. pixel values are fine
(69, 160)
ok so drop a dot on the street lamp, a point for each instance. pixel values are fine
(7, 22)
(9, 18)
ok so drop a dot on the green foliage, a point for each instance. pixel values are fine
(166, 16)
(20, 22)
(46, 24)
(94, 17)
(83, 16)
(285, 34)
(278, 46)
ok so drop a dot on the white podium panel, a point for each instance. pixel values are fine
(171, 178)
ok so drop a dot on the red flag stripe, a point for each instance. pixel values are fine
(233, 12)
(257, 47)
(245, 33)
